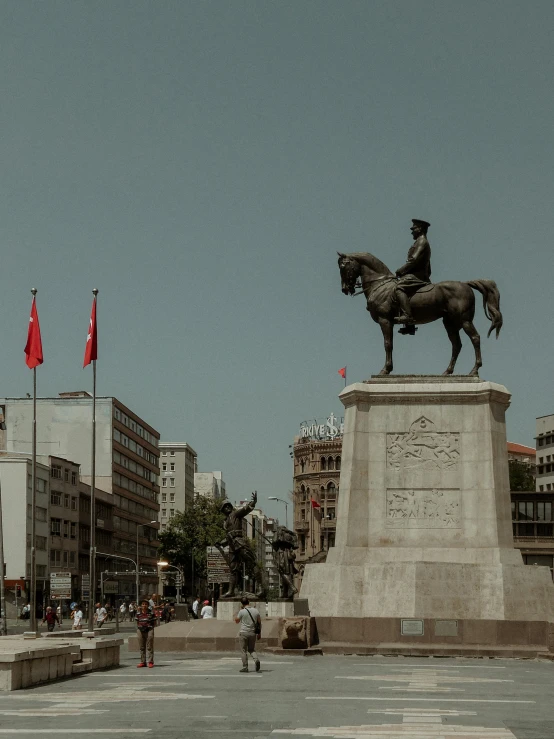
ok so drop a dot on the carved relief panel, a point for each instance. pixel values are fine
(423, 478)
(430, 508)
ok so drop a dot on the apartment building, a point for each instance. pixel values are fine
(127, 460)
(178, 466)
(210, 485)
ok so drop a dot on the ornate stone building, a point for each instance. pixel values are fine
(317, 463)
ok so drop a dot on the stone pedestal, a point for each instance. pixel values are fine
(424, 520)
(226, 609)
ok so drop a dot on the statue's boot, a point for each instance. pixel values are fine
(405, 316)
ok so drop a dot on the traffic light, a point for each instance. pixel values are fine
(18, 591)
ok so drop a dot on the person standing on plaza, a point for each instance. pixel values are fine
(132, 610)
(146, 621)
(100, 616)
(207, 610)
(77, 618)
(195, 607)
(123, 612)
(51, 619)
(249, 632)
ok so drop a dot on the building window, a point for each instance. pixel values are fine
(55, 526)
(172, 497)
(302, 464)
(164, 497)
(66, 500)
(164, 512)
(42, 514)
(302, 543)
(164, 467)
(40, 542)
(73, 503)
(331, 490)
(72, 559)
(66, 475)
(337, 463)
(73, 477)
(172, 453)
(323, 463)
(56, 471)
(55, 498)
(41, 571)
(331, 539)
(330, 463)
(172, 467)
(41, 485)
(171, 512)
(303, 514)
(171, 482)
(73, 530)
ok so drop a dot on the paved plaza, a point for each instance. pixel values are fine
(321, 696)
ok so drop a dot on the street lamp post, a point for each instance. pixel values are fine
(181, 577)
(272, 497)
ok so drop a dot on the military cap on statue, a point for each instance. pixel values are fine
(418, 222)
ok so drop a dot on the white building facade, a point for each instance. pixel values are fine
(178, 467)
(210, 485)
(545, 453)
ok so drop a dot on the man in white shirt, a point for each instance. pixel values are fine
(78, 618)
(195, 607)
(249, 632)
(123, 611)
(101, 615)
(207, 611)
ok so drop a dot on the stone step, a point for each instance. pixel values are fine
(436, 650)
(82, 665)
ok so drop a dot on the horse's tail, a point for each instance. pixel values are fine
(491, 302)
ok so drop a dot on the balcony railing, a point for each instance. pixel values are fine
(302, 525)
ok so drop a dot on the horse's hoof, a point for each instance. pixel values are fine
(384, 372)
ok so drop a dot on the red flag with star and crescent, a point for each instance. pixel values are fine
(91, 348)
(33, 347)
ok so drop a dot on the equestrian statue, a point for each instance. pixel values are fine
(410, 298)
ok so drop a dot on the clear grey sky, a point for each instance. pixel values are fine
(201, 163)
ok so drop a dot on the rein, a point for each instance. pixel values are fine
(377, 279)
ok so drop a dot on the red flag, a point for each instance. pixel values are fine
(91, 348)
(342, 372)
(33, 347)
(314, 503)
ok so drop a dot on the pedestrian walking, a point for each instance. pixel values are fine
(123, 611)
(146, 621)
(195, 607)
(207, 610)
(51, 619)
(250, 631)
(77, 618)
(100, 616)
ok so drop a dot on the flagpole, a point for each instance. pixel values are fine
(345, 368)
(92, 568)
(33, 599)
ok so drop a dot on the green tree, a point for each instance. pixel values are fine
(521, 475)
(188, 535)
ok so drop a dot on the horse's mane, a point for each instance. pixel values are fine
(372, 262)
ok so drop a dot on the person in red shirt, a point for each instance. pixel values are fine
(51, 618)
(146, 621)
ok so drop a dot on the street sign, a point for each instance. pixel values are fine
(218, 569)
(60, 585)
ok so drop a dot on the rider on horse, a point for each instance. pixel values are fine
(413, 275)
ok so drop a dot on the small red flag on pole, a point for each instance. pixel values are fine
(33, 347)
(342, 372)
(91, 348)
(314, 503)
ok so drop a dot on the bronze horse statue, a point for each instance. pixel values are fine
(454, 302)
